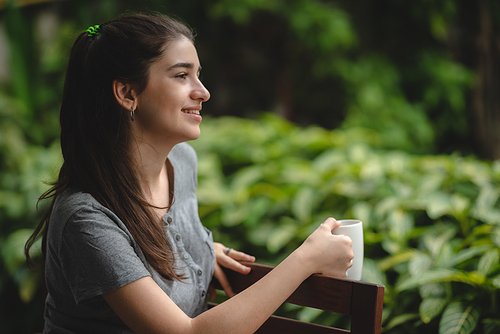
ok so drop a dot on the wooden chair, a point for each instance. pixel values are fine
(363, 302)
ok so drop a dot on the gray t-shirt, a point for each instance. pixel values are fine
(90, 252)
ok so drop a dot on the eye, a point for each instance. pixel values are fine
(181, 76)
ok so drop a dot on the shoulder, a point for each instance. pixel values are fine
(74, 209)
(183, 152)
(72, 201)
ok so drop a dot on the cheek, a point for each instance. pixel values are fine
(171, 99)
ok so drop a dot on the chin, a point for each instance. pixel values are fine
(193, 135)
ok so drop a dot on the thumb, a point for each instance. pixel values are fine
(331, 223)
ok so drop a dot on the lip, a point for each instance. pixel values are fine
(195, 117)
(192, 108)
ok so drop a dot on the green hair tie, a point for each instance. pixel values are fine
(93, 31)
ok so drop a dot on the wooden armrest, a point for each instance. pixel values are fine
(362, 301)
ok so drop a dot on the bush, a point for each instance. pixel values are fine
(432, 223)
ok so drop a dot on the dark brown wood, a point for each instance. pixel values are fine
(277, 325)
(362, 301)
(366, 310)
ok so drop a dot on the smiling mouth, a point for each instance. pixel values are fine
(196, 112)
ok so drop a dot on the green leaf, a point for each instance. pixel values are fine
(258, 206)
(281, 236)
(440, 275)
(435, 240)
(496, 282)
(21, 53)
(401, 224)
(28, 286)
(327, 160)
(308, 314)
(436, 275)
(258, 236)
(430, 308)
(233, 215)
(438, 204)
(246, 177)
(432, 290)
(401, 319)
(445, 255)
(487, 197)
(459, 318)
(485, 207)
(495, 236)
(419, 263)
(491, 326)
(468, 253)
(487, 262)
(13, 249)
(372, 273)
(361, 210)
(460, 204)
(392, 261)
(303, 204)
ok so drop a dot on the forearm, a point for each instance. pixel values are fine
(248, 310)
(145, 307)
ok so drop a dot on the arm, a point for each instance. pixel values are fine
(145, 308)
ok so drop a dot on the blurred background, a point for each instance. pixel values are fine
(386, 111)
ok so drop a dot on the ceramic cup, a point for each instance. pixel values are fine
(354, 230)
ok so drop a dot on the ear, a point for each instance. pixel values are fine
(125, 95)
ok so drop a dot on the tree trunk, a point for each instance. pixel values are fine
(486, 95)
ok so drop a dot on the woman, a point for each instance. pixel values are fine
(124, 248)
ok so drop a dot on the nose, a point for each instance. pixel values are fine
(200, 93)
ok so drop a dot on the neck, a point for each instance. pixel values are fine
(152, 170)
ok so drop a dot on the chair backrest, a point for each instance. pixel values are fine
(363, 302)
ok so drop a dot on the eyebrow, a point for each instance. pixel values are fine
(184, 65)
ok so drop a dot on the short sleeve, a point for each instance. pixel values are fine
(98, 254)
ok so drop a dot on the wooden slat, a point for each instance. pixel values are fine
(364, 318)
(323, 293)
(280, 325)
(317, 291)
(277, 325)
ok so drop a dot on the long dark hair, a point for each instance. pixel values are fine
(95, 129)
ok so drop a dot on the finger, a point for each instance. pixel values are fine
(347, 239)
(240, 256)
(232, 264)
(331, 223)
(221, 277)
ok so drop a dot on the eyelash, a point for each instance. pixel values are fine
(184, 76)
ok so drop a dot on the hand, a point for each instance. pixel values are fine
(230, 261)
(327, 253)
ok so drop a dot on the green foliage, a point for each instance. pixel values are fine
(376, 101)
(29, 155)
(374, 84)
(321, 26)
(432, 223)
(458, 318)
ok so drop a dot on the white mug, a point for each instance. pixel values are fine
(354, 230)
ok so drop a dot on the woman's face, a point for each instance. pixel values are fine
(168, 110)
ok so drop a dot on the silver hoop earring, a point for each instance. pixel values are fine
(132, 114)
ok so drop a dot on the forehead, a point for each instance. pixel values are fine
(180, 51)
